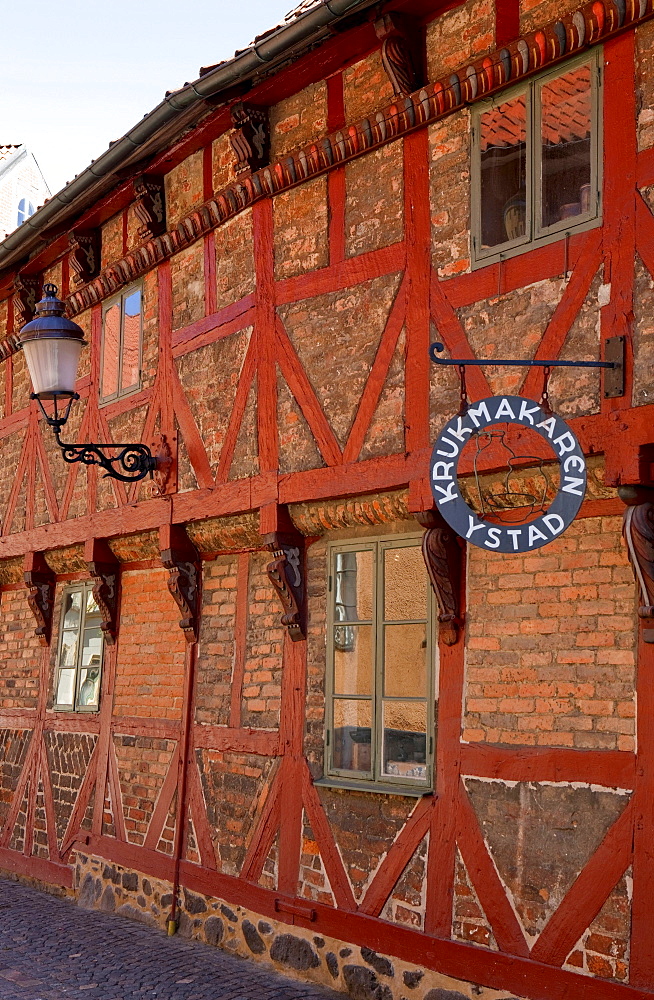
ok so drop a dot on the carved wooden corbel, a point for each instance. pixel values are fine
(104, 569)
(638, 533)
(26, 295)
(84, 255)
(150, 206)
(443, 555)
(41, 583)
(396, 55)
(182, 560)
(251, 137)
(287, 574)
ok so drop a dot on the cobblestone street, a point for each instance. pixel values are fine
(50, 949)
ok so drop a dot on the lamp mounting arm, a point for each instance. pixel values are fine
(128, 463)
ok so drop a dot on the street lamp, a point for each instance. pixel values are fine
(52, 346)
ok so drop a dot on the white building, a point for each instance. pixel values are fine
(22, 187)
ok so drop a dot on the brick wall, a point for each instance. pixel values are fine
(143, 763)
(265, 638)
(215, 661)
(20, 653)
(550, 657)
(151, 648)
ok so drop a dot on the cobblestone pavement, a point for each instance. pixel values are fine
(50, 949)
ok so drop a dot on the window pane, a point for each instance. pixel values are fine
(66, 687)
(565, 144)
(131, 341)
(90, 685)
(353, 586)
(92, 648)
(72, 610)
(405, 661)
(405, 740)
(351, 749)
(503, 134)
(110, 351)
(405, 583)
(353, 659)
(68, 655)
(91, 605)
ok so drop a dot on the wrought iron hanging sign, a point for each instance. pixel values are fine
(473, 421)
(496, 536)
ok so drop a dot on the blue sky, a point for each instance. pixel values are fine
(77, 74)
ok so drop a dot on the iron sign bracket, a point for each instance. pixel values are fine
(436, 348)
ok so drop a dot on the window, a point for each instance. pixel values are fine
(79, 657)
(25, 209)
(380, 711)
(536, 162)
(121, 345)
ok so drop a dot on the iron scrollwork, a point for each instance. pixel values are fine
(286, 573)
(128, 463)
(131, 462)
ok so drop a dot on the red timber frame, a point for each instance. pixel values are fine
(618, 431)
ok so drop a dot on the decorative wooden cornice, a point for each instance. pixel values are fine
(182, 560)
(376, 508)
(40, 581)
(251, 137)
(104, 569)
(84, 255)
(150, 206)
(26, 296)
(443, 555)
(588, 25)
(396, 53)
(638, 533)
(287, 574)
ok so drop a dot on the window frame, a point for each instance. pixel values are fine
(537, 235)
(376, 781)
(27, 212)
(120, 297)
(84, 588)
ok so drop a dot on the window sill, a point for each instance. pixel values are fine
(376, 787)
(476, 263)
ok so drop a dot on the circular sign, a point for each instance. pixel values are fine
(498, 537)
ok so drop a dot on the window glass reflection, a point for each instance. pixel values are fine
(503, 172)
(565, 146)
(405, 739)
(352, 749)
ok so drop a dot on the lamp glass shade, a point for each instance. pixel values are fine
(52, 363)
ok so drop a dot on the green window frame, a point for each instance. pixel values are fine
(122, 344)
(536, 231)
(80, 650)
(381, 666)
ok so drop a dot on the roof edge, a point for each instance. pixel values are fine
(267, 51)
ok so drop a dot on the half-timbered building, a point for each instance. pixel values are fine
(268, 697)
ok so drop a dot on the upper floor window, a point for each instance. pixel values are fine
(536, 162)
(79, 655)
(25, 209)
(121, 345)
(380, 680)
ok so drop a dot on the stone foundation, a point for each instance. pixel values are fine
(294, 951)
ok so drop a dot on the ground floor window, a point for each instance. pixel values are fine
(79, 653)
(380, 654)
